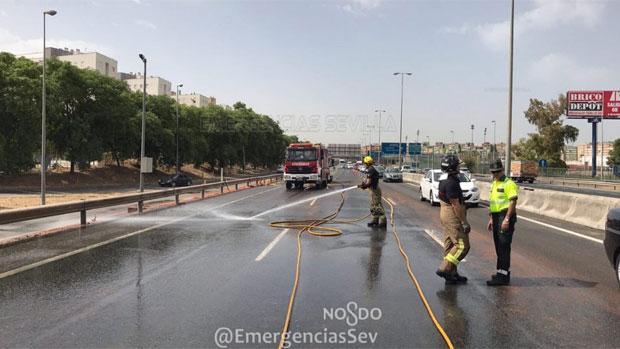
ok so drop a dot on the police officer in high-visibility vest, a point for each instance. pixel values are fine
(372, 183)
(502, 219)
(453, 218)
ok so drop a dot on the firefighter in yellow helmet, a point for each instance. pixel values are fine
(371, 182)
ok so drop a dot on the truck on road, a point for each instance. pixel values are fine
(307, 163)
(523, 171)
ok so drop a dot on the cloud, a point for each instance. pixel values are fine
(359, 7)
(556, 68)
(545, 15)
(146, 24)
(11, 42)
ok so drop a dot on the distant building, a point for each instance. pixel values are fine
(584, 153)
(84, 60)
(345, 151)
(155, 86)
(570, 153)
(195, 100)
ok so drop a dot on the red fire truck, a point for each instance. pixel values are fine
(307, 163)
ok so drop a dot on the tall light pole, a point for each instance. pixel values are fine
(484, 139)
(494, 144)
(472, 136)
(509, 138)
(177, 133)
(142, 144)
(452, 132)
(43, 112)
(400, 136)
(379, 111)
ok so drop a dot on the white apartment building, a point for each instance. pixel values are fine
(155, 86)
(93, 60)
(84, 60)
(195, 100)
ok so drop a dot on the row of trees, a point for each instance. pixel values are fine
(90, 115)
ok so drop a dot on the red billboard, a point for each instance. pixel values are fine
(593, 104)
(611, 107)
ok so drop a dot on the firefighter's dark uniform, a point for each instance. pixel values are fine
(502, 193)
(376, 206)
(456, 241)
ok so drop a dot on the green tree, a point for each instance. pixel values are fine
(614, 154)
(552, 135)
(20, 113)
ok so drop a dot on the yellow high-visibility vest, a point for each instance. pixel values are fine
(502, 192)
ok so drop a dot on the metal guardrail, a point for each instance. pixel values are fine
(569, 182)
(25, 214)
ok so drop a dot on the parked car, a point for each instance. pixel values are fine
(280, 169)
(429, 188)
(466, 171)
(612, 240)
(406, 169)
(381, 170)
(362, 168)
(177, 180)
(392, 175)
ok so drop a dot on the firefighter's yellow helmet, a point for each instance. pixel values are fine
(368, 160)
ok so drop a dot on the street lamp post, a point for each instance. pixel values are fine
(43, 112)
(177, 133)
(494, 144)
(472, 136)
(379, 111)
(509, 138)
(142, 143)
(400, 136)
(452, 132)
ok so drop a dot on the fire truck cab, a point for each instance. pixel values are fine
(307, 163)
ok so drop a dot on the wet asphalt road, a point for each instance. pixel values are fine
(192, 269)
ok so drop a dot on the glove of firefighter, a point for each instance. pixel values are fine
(466, 228)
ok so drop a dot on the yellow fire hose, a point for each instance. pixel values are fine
(315, 227)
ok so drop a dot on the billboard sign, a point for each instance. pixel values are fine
(593, 104)
(392, 148)
(415, 148)
(584, 104)
(611, 107)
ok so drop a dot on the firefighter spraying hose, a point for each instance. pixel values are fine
(372, 184)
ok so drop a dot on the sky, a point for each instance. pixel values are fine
(322, 68)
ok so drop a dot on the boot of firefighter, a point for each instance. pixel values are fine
(382, 222)
(446, 269)
(374, 222)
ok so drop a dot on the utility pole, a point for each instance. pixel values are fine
(509, 138)
(484, 138)
(142, 143)
(379, 111)
(494, 144)
(400, 136)
(472, 136)
(43, 115)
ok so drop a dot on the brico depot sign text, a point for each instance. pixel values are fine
(593, 104)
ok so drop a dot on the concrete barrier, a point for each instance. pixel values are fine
(588, 210)
(414, 178)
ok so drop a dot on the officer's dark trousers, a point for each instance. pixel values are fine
(503, 240)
